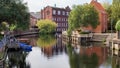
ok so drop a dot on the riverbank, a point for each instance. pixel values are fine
(93, 37)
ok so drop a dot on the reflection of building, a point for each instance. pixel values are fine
(56, 49)
(102, 27)
(59, 15)
(29, 40)
(101, 52)
(33, 41)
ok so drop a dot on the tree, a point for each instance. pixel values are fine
(46, 26)
(115, 11)
(82, 16)
(117, 27)
(14, 12)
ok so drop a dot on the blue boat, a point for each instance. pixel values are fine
(25, 47)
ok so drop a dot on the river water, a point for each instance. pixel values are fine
(52, 52)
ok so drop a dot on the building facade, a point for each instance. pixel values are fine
(103, 18)
(58, 15)
(34, 17)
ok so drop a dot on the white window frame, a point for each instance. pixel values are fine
(54, 12)
(59, 12)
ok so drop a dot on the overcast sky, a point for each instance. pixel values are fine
(37, 5)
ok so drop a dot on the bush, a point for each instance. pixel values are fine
(46, 26)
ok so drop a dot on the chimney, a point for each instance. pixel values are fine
(94, 0)
(54, 5)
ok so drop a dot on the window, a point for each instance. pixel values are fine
(66, 19)
(62, 19)
(55, 19)
(59, 19)
(67, 13)
(59, 13)
(54, 12)
(63, 13)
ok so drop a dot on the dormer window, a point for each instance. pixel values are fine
(59, 12)
(54, 12)
(63, 12)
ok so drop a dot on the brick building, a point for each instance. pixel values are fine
(103, 18)
(34, 17)
(59, 15)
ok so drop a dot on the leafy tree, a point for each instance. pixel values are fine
(117, 26)
(14, 12)
(46, 26)
(82, 16)
(115, 11)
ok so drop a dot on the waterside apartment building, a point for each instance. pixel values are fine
(58, 15)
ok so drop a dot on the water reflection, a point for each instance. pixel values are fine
(82, 60)
(50, 45)
(51, 52)
(88, 57)
(46, 40)
(116, 59)
(16, 59)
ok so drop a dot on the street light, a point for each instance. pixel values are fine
(111, 28)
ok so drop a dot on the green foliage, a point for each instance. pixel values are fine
(46, 40)
(84, 32)
(82, 16)
(12, 27)
(46, 26)
(81, 60)
(115, 10)
(3, 26)
(117, 26)
(14, 12)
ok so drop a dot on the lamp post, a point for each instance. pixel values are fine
(111, 28)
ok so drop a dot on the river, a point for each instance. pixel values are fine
(52, 52)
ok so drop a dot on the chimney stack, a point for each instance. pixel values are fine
(95, 0)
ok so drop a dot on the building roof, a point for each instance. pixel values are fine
(54, 7)
(98, 6)
(35, 15)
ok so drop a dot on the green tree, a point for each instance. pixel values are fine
(46, 26)
(115, 11)
(82, 16)
(117, 26)
(14, 12)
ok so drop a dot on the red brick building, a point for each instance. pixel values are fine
(103, 18)
(59, 15)
(34, 17)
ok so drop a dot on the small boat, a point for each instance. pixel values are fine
(25, 47)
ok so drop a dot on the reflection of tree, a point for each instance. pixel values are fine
(51, 46)
(82, 60)
(17, 59)
(46, 40)
(115, 62)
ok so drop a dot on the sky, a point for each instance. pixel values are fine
(37, 5)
